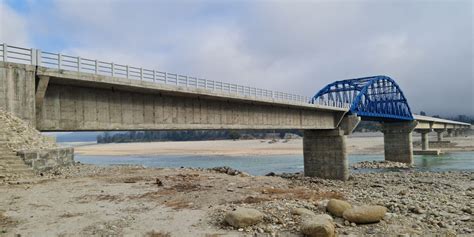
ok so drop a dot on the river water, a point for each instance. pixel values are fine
(261, 165)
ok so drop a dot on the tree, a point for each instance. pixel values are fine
(234, 135)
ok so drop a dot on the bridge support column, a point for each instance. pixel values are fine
(440, 134)
(398, 141)
(325, 152)
(425, 142)
(456, 132)
(450, 133)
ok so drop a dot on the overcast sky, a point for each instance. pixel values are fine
(290, 46)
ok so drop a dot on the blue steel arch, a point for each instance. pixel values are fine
(372, 98)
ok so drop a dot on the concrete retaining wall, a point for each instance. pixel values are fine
(17, 90)
(47, 159)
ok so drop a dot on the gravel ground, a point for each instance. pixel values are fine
(132, 200)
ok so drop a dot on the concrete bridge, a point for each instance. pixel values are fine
(56, 92)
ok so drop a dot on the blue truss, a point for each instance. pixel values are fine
(372, 98)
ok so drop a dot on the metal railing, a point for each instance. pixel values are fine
(9, 53)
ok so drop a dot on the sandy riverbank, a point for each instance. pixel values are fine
(357, 144)
(86, 200)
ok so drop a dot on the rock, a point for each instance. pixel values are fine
(302, 212)
(318, 226)
(242, 217)
(365, 214)
(337, 207)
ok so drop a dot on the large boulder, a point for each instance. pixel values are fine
(302, 212)
(242, 217)
(318, 226)
(365, 214)
(337, 207)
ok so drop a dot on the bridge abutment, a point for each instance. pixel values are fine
(398, 141)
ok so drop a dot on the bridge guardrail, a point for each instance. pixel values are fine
(9, 53)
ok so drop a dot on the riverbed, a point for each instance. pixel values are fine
(263, 164)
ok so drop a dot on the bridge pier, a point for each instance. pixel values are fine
(325, 154)
(425, 141)
(325, 151)
(440, 134)
(398, 141)
(450, 133)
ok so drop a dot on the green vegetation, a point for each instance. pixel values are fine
(190, 135)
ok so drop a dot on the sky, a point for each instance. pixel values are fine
(291, 46)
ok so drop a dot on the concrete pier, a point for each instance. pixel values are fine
(325, 151)
(398, 141)
(425, 142)
(450, 132)
(325, 154)
(440, 134)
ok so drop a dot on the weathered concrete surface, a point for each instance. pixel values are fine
(325, 151)
(47, 159)
(80, 101)
(81, 108)
(325, 154)
(398, 141)
(17, 90)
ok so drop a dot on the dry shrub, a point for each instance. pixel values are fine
(157, 234)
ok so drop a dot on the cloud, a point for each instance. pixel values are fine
(13, 27)
(291, 46)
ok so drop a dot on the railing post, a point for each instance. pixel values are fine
(60, 60)
(154, 76)
(79, 64)
(5, 52)
(113, 69)
(33, 56)
(38, 57)
(141, 74)
(96, 67)
(127, 71)
(166, 78)
(186, 78)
